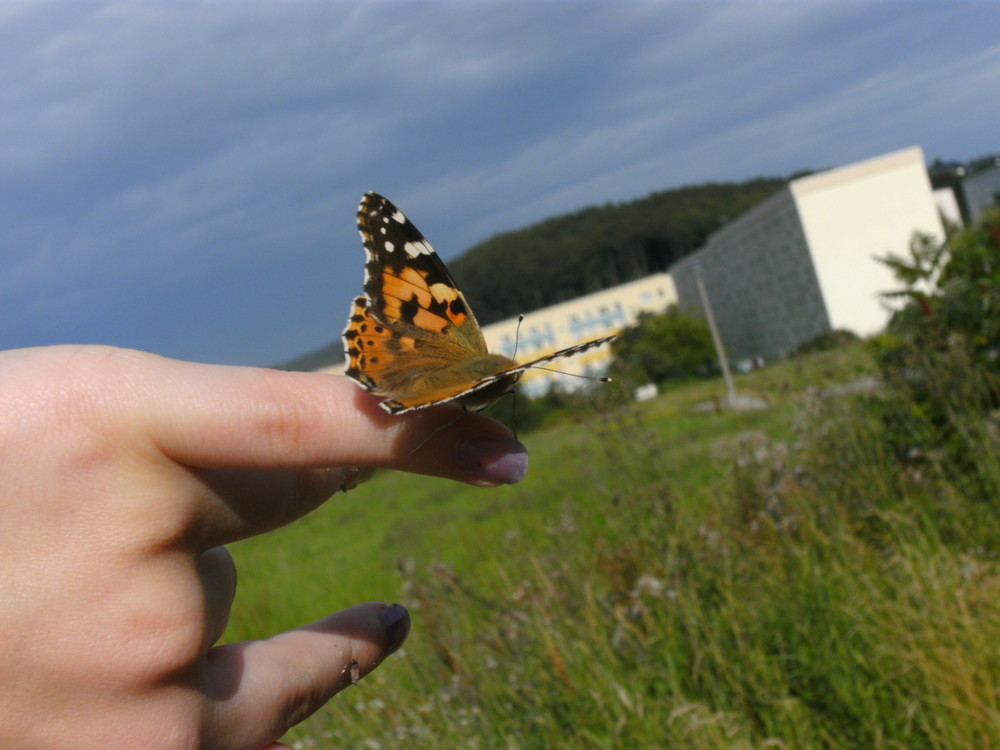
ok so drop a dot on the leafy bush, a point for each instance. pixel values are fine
(670, 346)
(940, 355)
(826, 341)
(951, 293)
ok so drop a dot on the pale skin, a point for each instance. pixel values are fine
(122, 476)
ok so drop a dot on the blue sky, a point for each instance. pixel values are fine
(182, 177)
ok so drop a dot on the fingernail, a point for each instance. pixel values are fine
(396, 622)
(494, 459)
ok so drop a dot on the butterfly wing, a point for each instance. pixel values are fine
(471, 395)
(376, 354)
(412, 335)
(408, 286)
(483, 391)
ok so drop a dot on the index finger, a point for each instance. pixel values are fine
(220, 417)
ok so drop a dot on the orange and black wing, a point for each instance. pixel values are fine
(412, 326)
(378, 358)
(480, 392)
(407, 285)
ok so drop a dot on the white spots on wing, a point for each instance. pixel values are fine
(414, 249)
(443, 292)
(398, 216)
(382, 230)
(389, 247)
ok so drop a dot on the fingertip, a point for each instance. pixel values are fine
(395, 620)
(449, 442)
(262, 688)
(495, 460)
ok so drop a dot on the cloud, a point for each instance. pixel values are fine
(159, 160)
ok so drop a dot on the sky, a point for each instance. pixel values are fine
(182, 177)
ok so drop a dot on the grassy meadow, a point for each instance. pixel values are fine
(668, 577)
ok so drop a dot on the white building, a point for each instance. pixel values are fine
(802, 262)
(947, 203)
(574, 322)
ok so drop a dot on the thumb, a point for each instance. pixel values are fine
(263, 688)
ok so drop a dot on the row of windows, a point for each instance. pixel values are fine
(588, 323)
(602, 311)
(546, 340)
(597, 323)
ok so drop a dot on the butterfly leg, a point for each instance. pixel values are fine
(436, 431)
(513, 409)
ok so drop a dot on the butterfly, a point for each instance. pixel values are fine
(411, 338)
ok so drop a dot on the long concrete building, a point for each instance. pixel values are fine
(802, 262)
(573, 322)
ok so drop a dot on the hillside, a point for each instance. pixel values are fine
(598, 247)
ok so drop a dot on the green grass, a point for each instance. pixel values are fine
(666, 578)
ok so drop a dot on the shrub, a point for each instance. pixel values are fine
(940, 355)
(658, 348)
(825, 342)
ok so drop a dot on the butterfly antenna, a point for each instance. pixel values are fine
(599, 379)
(517, 332)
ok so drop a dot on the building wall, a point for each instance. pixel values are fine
(947, 206)
(574, 322)
(801, 263)
(981, 190)
(760, 281)
(854, 213)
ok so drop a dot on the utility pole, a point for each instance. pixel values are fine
(720, 350)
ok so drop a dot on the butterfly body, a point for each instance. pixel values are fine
(412, 337)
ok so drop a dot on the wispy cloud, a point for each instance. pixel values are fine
(182, 176)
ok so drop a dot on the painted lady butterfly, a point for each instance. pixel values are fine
(412, 337)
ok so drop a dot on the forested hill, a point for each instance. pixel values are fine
(598, 247)
(566, 256)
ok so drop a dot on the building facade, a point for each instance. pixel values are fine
(802, 262)
(574, 322)
(948, 206)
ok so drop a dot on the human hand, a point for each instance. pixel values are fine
(123, 474)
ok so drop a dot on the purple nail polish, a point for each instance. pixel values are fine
(494, 459)
(396, 621)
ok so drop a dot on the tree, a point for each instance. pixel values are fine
(669, 346)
